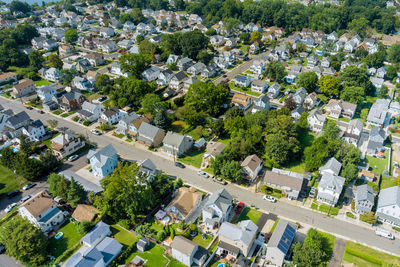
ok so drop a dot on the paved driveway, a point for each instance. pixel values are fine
(338, 251)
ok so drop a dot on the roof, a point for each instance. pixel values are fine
(332, 182)
(332, 165)
(244, 231)
(148, 130)
(183, 245)
(64, 138)
(185, 200)
(23, 83)
(111, 112)
(39, 203)
(96, 232)
(84, 212)
(109, 248)
(252, 162)
(103, 154)
(220, 198)
(378, 111)
(7, 75)
(214, 148)
(283, 236)
(175, 139)
(18, 118)
(389, 197)
(364, 192)
(284, 179)
(180, 76)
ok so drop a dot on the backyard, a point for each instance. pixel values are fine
(194, 157)
(232, 86)
(70, 238)
(123, 236)
(42, 83)
(378, 165)
(9, 181)
(365, 256)
(387, 182)
(154, 256)
(250, 214)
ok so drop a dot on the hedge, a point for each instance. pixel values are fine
(363, 256)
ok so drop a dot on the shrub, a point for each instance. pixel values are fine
(161, 235)
(363, 256)
(172, 233)
(75, 119)
(86, 123)
(350, 215)
(353, 205)
(192, 227)
(368, 217)
(143, 229)
(125, 223)
(396, 228)
(85, 227)
(181, 225)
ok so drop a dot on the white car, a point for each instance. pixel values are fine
(74, 157)
(205, 175)
(28, 186)
(269, 198)
(94, 131)
(10, 207)
(26, 198)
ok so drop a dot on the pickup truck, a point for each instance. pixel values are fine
(384, 233)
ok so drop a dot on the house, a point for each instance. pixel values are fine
(217, 40)
(133, 127)
(365, 199)
(312, 61)
(213, 149)
(339, 108)
(8, 77)
(82, 84)
(85, 213)
(45, 93)
(332, 166)
(316, 120)
(71, 101)
(95, 59)
(388, 209)
(175, 144)
(378, 113)
(381, 72)
(150, 135)
(188, 252)
(297, 112)
(52, 74)
(375, 141)
(34, 131)
(128, 26)
(90, 111)
(107, 46)
(83, 65)
(366, 175)
(196, 68)
(331, 184)
(148, 169)
(377, 82)
(259, 86)
(116, 69)
(242, 81)
(66, 144)
(332, 37)
(299, 96)
(23, 88)
(42, 211)
(188, 82)
(37, 42)
(104, 161)
(210, 71)
(251, 166)
(274, 90)
(217, 208)
(353, 132)
(236, 239)
(164, 77)
(242, 101)
(107, 32)
(184, 63)
(279, 244)
(262, 103)
(184, 203)
(98, 249)
(177, 80)
(258, 67)
(124, 122)
(326, 62)
(172, 59)
(111, 116)
(151, 73)
(125, 43)
(311, 101)
(254, 48)
(291, 183)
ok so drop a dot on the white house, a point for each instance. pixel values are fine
(388, 210)
(116, 69)
(274, 90)
(217, 208)
(35, 130)
(41, 210)
(52, 74)
(188, 252)
(104, 161)
(90, 111)
(316, 120)
(242, 81)
(259, 86)
(111, 116)
(331, 184)
(252, 166)
(46, 93)
(151, 73)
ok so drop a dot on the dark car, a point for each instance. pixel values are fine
(13, 193)
(180, 165)
(239, 207)
(28, 107)
(40, 111)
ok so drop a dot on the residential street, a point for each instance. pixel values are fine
(338, 227)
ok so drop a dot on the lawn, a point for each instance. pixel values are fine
(299, 167)
(42, 83)
(306, 139)
(365, 256)
(175, 263)
(378, 165)
(242, 90)
(123, 236)
(57, 112)
(198, 239)
(48, 141)
(178, 126)
(225, 141)
(68, 114)
(70, 238)
(154, 256)
(387, 182)
(332, 210)
(194, 157)
(9, 181)
(314, 206)
(250, 214)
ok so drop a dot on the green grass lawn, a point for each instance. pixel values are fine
(42, 83)
(332, 210)
(377, 165)
(175, 263)
(314, 206)
(365, 256)
(243, 90)
(250, 214)
(68, 114)
(48, 141)
(70, 238)
(9, 181)
(244, 48)
(198, 239)
(123, 236)
(154, 256)
(178, 126)
(120, 135)
(225, 141)
(299, 167)
(387, 182)
(194, 157)
(57, 112)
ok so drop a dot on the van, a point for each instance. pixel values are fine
(384, 233)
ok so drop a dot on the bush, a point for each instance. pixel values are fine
(75, 119)
(144, 229)
(192, 227)
(363, 256)
(86, 123)
(125, 223)
(396, 228)
(353, 205)
(161, 235)
(368, 217)
(179, 101)
(350, 215)
(85, 227)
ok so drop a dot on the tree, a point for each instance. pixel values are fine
(353, 94)
(49, 162)
(193, 42)
(358, 26)
(24, 241)
(391, 72)
(211, 32)
(132, 89)
(206, 97)
(290, 103)
(354, 76)
(52, 123)
(134, 64)
(275, 71)
(369, 217)
(383, 92)
(58, 186)
(103, 83)
(85, 227)
(330, 85)
(26, 145)
(231, 24)
(55, 61)
(161, 235)
(393, 53)
(244, 37)
(218, 128)
(364, 113)
(231, 171)
(150, 103)
(204, 56)
(71, 36)
(350, 172)
(18, 6)
(255, 36)
(308, 80)
(161, 119)
(36, 59)
(281, 148)
(76, 193)
(148, 49)
(144, 229)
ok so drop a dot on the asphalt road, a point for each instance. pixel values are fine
(304, 216)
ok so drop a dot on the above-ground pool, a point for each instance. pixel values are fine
(221, 265)
(14, 149)
(58, 235)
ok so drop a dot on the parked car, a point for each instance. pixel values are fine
(28, 186)
(269, 198)
(239, 207)
(40, 111)
(102, 99)
(201, 173)
(13, 193)
(313, 192)
(10, 207)
(180, 165)
(384, 233)
(26, 198)
(28, 107)
(96, 132)
(74, 157)
(219, 180)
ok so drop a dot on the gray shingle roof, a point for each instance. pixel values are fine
(332, 165)
(18, 118)
(364, 192)
(333, 182)
(389, 197)
(222, 199)
(96, 232)
(282, 236)
(244, 231)
(148, 130)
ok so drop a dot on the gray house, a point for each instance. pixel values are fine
(217, 208)
(280, 242)
(331, 184)
(150, 135)
(378, 113)
(364, 199)
(123, 124)
(376, 140)
(175, 144)
(388, 210)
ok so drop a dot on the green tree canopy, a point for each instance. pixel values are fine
(308, 80)
(55, 61)
(134, 64)
(275, 71)
(330, 85)
(353, 94)
(71, 36)
(393, 53)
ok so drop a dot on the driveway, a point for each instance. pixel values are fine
(338, 251)
(7, 261)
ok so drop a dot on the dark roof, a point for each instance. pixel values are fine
(18, 118)
(283, 236)
(228, 247)
(111, 112)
